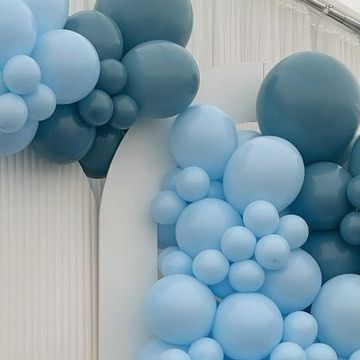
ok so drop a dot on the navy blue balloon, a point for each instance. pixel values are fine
(312, 100)
(163, 78)
(145, 20)
(113, 77)
(65, 137)
(354, 163)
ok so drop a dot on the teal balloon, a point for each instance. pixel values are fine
(13, 113)
(354, 162)
(65, 137)
(143, 20)
(17, 30)
(100, 30)
(312, 100)
(334, 255)
(113, 77)
(97, 161)
(125, 114)
(350, 228)
(97, 108)
(163, 78)
(353, 192)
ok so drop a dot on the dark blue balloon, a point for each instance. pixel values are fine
(126, 112)
(113, 77)
(312, 100)
(65, 137)
(354, 163)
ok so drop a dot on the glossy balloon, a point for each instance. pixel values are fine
(13, 113)
(156, 71)
(350, 228)
(113, 77)
(296, 103)
(353, 192)
(287, 351)
(354, 162)
(125, 114)
(294, 230)
(176, 263)
(206, 348)
(166, 236)
(192, 184)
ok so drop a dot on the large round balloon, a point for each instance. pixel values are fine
(65, 137)
(17, 30)
(69, 64)
(163, 78)
(144, 20)
(312, 100)
(100, 30)
(354, 163)
(264, 168)
(323, 200)
(49, 14)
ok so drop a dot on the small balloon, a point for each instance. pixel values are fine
(354, 162)
(353, 192)
(154, 349)
(288, 350)
(13, 113)
(125, 114)
(206, 348)
(113, 77)
(192, 183)
(175, 354)
(164, 253)
(176, 263)
(294, 230)
(320, 351)
(350, 228)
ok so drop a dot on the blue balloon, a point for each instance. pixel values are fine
(320, 351)
(216, 190)
(17, 30)
(264, 168)
(3, 88)
(156, 71)
(175, 354)
(113, 77)
(350, 228)
(248, 326)
(13, 113)
(355, 355)
(166, 236)
(206, 348)
(164, 253)
(354, 162)
(169, 180)
(246, 135)
(192, 184)
(202, 224)
(296, 103)
(294, 230)
(125, 114)
(223, 290)
(175, 263)
(180, 310)
(154, 349)
(353, 192)
(69, 64)
(287, 351)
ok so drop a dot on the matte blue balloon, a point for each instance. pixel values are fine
(296, 103)
(246, 276)
(3, 88)
(180, 310)
(154, 349)
(320, 351)
(175, 263)
(113, 77)
(125, 114)
(350, 228)
(164, 253)
(334, 255)
(353, 192)
(17, 30)
(246, 135)
(354, 162)
(156, 71)
(223, 290)
(264, 168)
(294, 230)
(203, 136)
(296, 286)
(192, 184)
(287, 351)
(202, 224)
(248, 326)
(69, 64)
(165, 19)
(166, 236)
(49, 14)
(323, 201)
(64, 137)
(206, 348)
(21, 74)
(355, 355)
(13, 113)
(100, 30)
(175, 354)
(216, 190)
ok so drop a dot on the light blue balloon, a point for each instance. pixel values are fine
(203, 136)
(13, 113)
(154, 349)
(41, 103)
(216, 190)
(3, 88)
(180, 309)
(223, 290)
(355, 355)
(69, 64)
(211, 267)
(287, 351)
(175, 263)
(175, 354)
(294, 230)
(166, 236)
(337, 312)
(296, 286)
(265, 168)
(202, 224)
(320, 351)
(206, 348)
(246, 135)
(49, 14)
(354, 162)
(192, 184)
(248, 326)
(350, 228)
(169, 180)
(353, 192)
(167, 207)
(17, 30)
(164, 253)
(300, 328)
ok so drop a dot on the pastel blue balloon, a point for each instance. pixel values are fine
(355, 355)
(223, 290)
(180, 309)
(272, 252)
(265, 168)
(69, 64)
(246, 135)
(3, 88)
(49, 14)
(167, 207)
(354, 162)
(21, 74)
(334, 255)
(154, 349)
(296, 286)
(323, 201)
(248, 326)
(17, 30)
(203, 136)
(300, 328)
(350, 228)
(13, 113)
(12, 143)
(238, 243)
(166, 236)
(125, 114)
(353, 192)
(113, 77)
(246, 276)
(175, 354)
(216, 190)
(192, 184)
(211, 267)
(296, 103)
(287, 351)
(175, 263)
(261, 218)
(202, 224)
(168, 250)
(320, 351)
(206, 348)
(294, 230)
(41, 103)
(169, 180)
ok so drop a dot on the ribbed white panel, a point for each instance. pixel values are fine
(48, 261)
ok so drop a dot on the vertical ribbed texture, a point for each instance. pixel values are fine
(48, 261)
